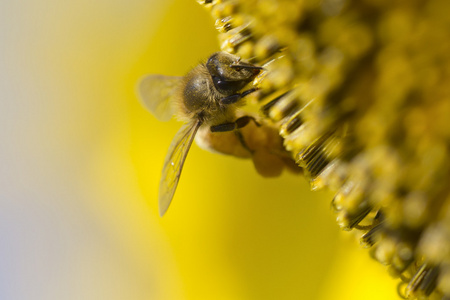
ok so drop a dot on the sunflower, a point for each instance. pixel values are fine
(360, 92)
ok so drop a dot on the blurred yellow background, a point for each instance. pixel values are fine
(80, 166)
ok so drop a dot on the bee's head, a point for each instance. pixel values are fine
(223, 75)
(229, 74)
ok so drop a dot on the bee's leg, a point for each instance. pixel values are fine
(235, 126)
(232, 126)
(239, 123)
(242, 140)
(243, 121)
(236, 97)
(225, 127)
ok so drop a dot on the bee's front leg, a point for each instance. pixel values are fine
(236, 97)
(239, 123)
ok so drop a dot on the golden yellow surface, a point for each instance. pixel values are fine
(81, 161)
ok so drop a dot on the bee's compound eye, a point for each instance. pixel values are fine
(219, 83)
(227, 86)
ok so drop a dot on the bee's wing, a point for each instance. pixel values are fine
(155, 93)
(174, 162)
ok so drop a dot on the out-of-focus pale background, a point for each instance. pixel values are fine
(80, 162)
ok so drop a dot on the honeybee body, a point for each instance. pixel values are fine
(206, 99)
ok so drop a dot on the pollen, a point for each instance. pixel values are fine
(360, 92)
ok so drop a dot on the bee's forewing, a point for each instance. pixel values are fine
(174, 162)
(156, 92)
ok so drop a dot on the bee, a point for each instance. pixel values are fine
(207, 97)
